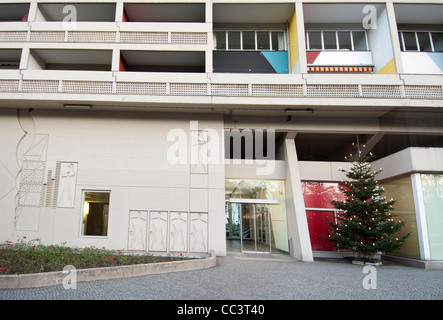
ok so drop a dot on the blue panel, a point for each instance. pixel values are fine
(278, 60)
(437, 57)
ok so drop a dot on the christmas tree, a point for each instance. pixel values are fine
(364, 220)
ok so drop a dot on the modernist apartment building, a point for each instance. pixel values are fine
(216, 125)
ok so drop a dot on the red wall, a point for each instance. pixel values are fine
(319, 196)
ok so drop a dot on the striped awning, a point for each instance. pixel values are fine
(340, 69)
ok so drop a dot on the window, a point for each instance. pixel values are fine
(344, 40)
(249, 40)
(314, 40)
(359, 39)
(337, 40)
(234, 40)
(423, 41)
(95, 212)
(220, 40)
(263, 41)
(329, 40)
(437, 41)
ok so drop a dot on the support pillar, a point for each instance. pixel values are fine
(298, 232)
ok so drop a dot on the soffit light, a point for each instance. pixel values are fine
(78, 106)
(292, 111)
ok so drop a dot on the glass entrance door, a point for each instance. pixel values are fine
(248, 225)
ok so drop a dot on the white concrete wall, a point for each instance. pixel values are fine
(120, 152)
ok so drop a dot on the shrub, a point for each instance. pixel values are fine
(31, 256)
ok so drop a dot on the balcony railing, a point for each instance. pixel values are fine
(148, 37)
(173, 88)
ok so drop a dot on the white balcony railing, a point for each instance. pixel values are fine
(144, 37)
(178, 88)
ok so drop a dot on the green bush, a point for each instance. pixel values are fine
(32, 257)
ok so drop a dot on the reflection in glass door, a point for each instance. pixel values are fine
(248, 239)
(263, 228)
(254, 222)
(233, 226)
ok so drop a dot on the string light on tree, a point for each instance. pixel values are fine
(364, 222)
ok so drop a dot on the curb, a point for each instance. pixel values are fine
(36, 280)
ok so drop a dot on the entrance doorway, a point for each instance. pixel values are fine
(248, 225)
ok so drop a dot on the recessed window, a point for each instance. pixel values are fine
(278, 40)
(95, 213)
(423, 41)
(344, 40)
(249, 40)
(337, 40)
(234, 40)
(314, 40)
(437, 41)
(220, 40)
(263, 42)
(329, 40)
(359, 39)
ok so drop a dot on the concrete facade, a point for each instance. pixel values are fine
(107, 100)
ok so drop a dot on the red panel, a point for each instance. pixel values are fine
(318, 228)
(320, 195)
(311, 56)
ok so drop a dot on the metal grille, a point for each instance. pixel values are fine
(91, 36)
(144, 37)
(431, 92)
(141, 88)
(333, 91)
(189, 37)
(228, 89)
(47, 36)
(277, 90)
(381, 91)
(86, 87)
(9, 85)
(40, 85)
(188, 89)
(13, 36)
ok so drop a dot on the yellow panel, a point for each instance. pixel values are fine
(293, 41)
(388, 68)
(404, 210)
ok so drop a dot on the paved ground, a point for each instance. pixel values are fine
(237, 277)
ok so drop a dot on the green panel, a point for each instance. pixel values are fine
(433, 196)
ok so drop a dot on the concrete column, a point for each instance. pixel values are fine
(119, 12)
(210, 45)
(394, 37)
(298, 233)
(301, 37)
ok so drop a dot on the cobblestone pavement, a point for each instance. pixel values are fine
(237, 277)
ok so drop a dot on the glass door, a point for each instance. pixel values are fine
(248, 225)
(233, 226)
(248, 235)
(263, 228)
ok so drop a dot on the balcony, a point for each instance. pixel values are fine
(251, 38)
(336, 40)
(420, 38)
